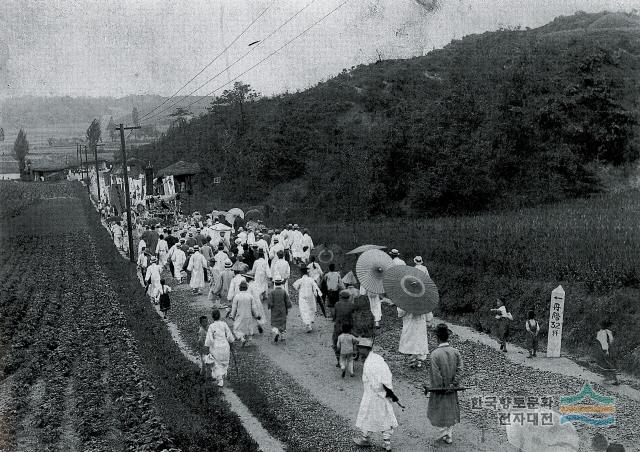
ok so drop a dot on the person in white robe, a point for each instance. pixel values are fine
(277, 246)
(376, 409)
(152, 279)
(281, 267)
(197, 266)
(255, 290)
(375, 304)
(274, 236)
(420, 265)
(178, 257)
(118, 235)
(263, 245)
(395, 256)
(262, 273)
(413, 339)
(315, 271)
(307, 292)
(251, 237)
(244, 312)
(221, 258)
(296, 244)
(234, 286)
(219, 336)
(162, 249)
(141, 245)
(242, 235)
(307, 243)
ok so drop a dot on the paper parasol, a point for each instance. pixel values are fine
(371, 268)
(411, 289)
(237, 212)
(363, 248)
(252, 214)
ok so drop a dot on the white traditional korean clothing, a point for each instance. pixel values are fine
(264, 246)
(413, 339)
(296, 244)
(234, 286)
(273, 252)
(308, 242)
(178, 258)
(251, 238)
(398, 261)
(141, 244)
(376, 410)
(243, 237)
(244, 311)
(281, 267)
(153, 275)
(422, 268)
(162, 249)
(315, 272)
(375, 303)
(218, 338)
(307, 291)
(221, 258)
(262, 274)
(197, 266)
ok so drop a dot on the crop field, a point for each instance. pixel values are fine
(591, 247)
(85, 364)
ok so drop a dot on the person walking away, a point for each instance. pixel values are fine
(165, 301)
(244, 312)
(533, 328)
(221, 258)
(279, 305)
(334, 286)
(376, 410)
(503, 317)
(350, 281)
(143, 262)
(345, 347)
(202, 337)
(307, 292)
(234, 286)
(206, 250)
(141, 246)
(281, 267)
(420, 265)
(413, 339)
(375, 304)
(315, 271)
(118, 235)
(343, 315)
(152, 240)
(178, 257)
(218, 339)
(604, 338)
(296, 245)
(262, 273)
(395, 255)
(307, 246)
(152, 279)
(222, 288)
(162, 249)
(443, 410)
(197, 267)
(262, 245)
(254, 290)
(171, 239)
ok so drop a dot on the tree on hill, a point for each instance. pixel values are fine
(112, 129)
(93, 133)
(21, 149)
(239, 96)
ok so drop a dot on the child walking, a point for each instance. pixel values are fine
(345, 346)
(533, 328)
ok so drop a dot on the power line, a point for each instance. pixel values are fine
(210, 62)
(258, 44)
(271, 54)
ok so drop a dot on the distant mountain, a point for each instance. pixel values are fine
(37, 112)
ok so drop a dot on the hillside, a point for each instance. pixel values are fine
(503, 119)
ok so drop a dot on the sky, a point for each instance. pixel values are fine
(121, 47)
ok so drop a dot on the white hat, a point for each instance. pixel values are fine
(394, 252)
(417, 259)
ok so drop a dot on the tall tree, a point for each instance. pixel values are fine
(93, 133)
(239, 96)
(112, 129)
(21, 149)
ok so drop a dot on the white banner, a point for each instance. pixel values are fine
(555, 323)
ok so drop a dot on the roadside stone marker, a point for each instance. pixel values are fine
(556, 313)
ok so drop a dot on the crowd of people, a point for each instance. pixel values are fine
(246, 273)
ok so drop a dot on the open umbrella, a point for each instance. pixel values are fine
(237, 212)
(363, 248)
(230, 218)
(371, 267)
(411, 289)
(252, 214)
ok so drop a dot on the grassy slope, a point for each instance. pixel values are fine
(591, 247)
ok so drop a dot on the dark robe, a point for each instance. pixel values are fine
(343, 315)
(443, 409)
(279, 303)
(171, 240)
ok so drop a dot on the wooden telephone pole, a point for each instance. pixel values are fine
(95, 153)
(127, 200)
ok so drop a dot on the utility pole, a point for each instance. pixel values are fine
(126, 187)
(86, 162)
(95, 153)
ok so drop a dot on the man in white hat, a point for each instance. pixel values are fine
(307, 246)
(279, 305)
(395, 254)
(197, 266)
(234, 286)
(262, 273)
(420, 265)
(222, 284)
(178, 258)
(221, 258)
(376, 409)
(263, 245)
(277, 246)
(152, 278)
(244, 312)
(282, 268)
(296, 244)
